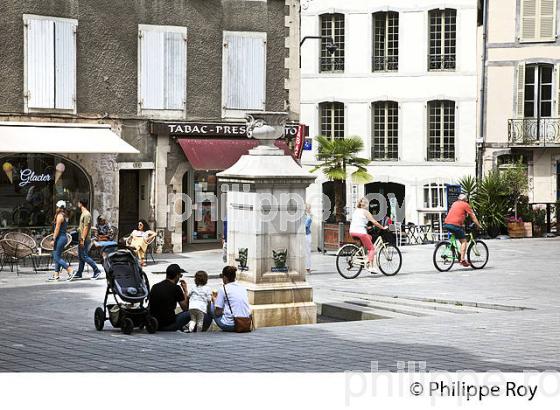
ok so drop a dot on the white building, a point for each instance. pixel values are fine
(404, 78)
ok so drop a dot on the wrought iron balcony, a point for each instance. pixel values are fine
(534, 132)
(438, 62)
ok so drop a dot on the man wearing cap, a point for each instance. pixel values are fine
(164, 297)
(454, 223)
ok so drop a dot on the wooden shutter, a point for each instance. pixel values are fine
(547, 20)
(152, 69)
(175, 70)
(557, 93)
(65, 64)
(529, 12)
(520, 81)
(40, 63)
(245, 71)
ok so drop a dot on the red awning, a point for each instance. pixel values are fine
(219, 154)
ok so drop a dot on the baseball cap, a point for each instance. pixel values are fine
(174, 270)
(61, 204)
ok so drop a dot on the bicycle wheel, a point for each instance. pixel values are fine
(389, 260)
(349, 261)
(444, 256)
(477, 254)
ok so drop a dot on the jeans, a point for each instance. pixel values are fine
(85, 258)
(59, 245)
(226, 327)
(182, 319)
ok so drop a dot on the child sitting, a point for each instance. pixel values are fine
(198, 301)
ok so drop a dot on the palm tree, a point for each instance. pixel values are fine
(336, 156)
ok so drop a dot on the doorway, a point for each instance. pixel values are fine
(394, 195)
(128, 201)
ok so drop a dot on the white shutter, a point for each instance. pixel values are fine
(529, 13)
(557, 93)
(152, 69)
(175, 71)
(520, 101)
(65, 64)
(40, 63)
(547, 20)
(246, 71)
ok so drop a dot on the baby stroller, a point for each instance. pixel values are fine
(130, 288)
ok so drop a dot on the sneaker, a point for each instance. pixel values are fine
(53, 278)
(75, 276)
(96, 275)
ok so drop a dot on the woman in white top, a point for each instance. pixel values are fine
(358, 229)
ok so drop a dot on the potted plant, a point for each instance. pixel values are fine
(525, 212)
(337, 157)
(539, 225)
(516, 227)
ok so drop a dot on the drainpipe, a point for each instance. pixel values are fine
(482, 95)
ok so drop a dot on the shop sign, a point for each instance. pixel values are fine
(28, 176)
(453, 192)
(196, 129)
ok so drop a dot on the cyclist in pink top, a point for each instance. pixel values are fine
(454, 223)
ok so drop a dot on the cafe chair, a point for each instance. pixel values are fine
(15, 251)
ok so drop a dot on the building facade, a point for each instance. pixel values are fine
(404, 79)
(522, 98)
(168, 78)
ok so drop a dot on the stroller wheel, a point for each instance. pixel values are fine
(151, 324)
(99, 318)
(127, 325)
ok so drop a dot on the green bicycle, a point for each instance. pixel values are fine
(448, 252)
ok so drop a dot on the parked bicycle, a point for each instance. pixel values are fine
(352, 258)
(448, 252)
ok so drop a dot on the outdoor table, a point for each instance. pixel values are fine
(412, 232)
(423, 231)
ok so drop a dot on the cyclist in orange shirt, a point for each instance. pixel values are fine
(454, 223)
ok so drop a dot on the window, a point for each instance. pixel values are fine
(332, 26)
(538, 20)
(50, 63)
(441, 130)
(163, 68)
(332, 119)
(434, 196)
(386, 41)
(385, 131)
(244, 72)
(443, 36)
(535, 90)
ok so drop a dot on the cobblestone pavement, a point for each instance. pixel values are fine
(505, 317)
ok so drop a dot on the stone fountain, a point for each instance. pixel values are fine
(266, 233)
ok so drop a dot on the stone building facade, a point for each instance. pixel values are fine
(135, 64)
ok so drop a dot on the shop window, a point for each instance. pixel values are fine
(162, 69)
(206, 212)
(386, 41)
(50, 63)
(30, 186)
(443, 40)
(244, 73)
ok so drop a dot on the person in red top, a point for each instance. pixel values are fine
(454, 223)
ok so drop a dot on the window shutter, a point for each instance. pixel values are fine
(528, 20)
(520, 102)
(557, 89)
(547, 19)
(152, 69)
(175, 71)
(65, 65)
(246, 72)
(40, 63)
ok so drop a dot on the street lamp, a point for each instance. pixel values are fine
(331, 46)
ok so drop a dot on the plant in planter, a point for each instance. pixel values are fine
(516, 181)
(516, 227)
(491, 203)
(337, 156)
(539, 226)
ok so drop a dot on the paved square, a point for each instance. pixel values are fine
(505, 317)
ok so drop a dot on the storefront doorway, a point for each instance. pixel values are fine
(128, 201)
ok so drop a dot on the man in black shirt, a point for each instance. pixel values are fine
(164, 297)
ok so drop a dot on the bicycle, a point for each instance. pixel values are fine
(351, 259)
(447, 252)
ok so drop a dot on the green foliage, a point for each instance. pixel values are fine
(540, 217)
(469, 188)
(491, 202)
(515, 178)
(336, 157)
(524, 209)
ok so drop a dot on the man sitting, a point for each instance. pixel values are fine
(164, 297)
(104, 230)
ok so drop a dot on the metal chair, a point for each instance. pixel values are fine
(149, 249)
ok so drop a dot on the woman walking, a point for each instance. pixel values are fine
(60, 223)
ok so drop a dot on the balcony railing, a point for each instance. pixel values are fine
(331, 64)
(538, 132)
(438, 62)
